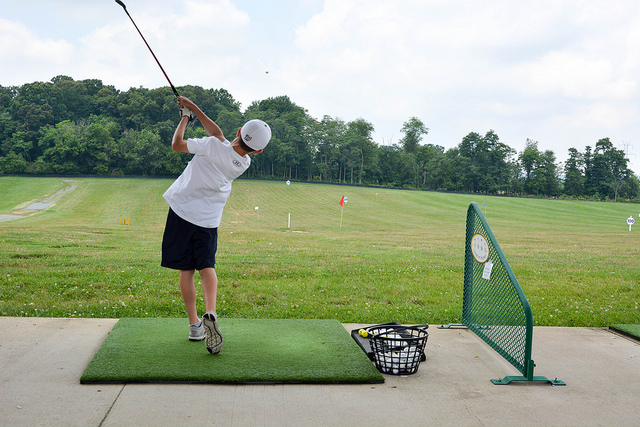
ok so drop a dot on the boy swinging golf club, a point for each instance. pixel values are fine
(196, 201)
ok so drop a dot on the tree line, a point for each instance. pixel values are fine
(86, 127)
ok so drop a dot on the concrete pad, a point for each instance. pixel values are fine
(41, 361)
(451, 388)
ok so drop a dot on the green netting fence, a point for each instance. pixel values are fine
(494, 306)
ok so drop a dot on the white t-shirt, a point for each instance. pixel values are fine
(201, 191)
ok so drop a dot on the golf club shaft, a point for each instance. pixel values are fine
(150, 50)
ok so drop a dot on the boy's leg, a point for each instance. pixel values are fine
(213, 339)
(188, 290)
(209, 288)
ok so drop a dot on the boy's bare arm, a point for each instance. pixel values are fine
(209, 125)
(178, 143)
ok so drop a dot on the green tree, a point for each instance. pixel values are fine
(13, 163)
(547, 174)
(472, 148)
(456, 169)
(606, 171)
(230, 122)
(529, 157)
(78, 104)
(101, 152)
(143, 152)
(289, 152)
(17, 144)
(413, 130)
(131, 109)
(391, 165)
(497, 164)
(105, 102)
(34, 117)
(573, 174)
(328, 136)
(359, 149)
(539, 170)
(7, 97)
(431, 158)
(7, 125)
(63, 148)
(488, 165)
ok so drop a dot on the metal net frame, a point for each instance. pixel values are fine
(494, 305)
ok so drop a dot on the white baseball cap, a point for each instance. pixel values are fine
(255, 134)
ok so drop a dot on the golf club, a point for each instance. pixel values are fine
(145, 42)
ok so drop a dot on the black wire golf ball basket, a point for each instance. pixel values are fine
(398, 350)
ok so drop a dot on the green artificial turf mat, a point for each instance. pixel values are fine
(140, 350)
(632, 331)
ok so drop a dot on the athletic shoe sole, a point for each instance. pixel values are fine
(213, 340)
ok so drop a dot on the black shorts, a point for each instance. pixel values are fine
(186, 246)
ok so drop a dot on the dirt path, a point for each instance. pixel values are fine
(32, 207)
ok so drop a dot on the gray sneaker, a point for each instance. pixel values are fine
(213, 336)
(196, 333)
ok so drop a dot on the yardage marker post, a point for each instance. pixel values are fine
(494, 306)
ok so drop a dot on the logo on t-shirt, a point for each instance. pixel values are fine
(236, 163)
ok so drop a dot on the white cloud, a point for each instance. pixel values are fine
(22, 50)
(570, 74)
(197, 45)
(603, 116)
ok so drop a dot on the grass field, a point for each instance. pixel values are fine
(397, 257)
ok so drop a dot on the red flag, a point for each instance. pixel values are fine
(342, 201)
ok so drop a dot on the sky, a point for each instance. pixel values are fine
(563, 73)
